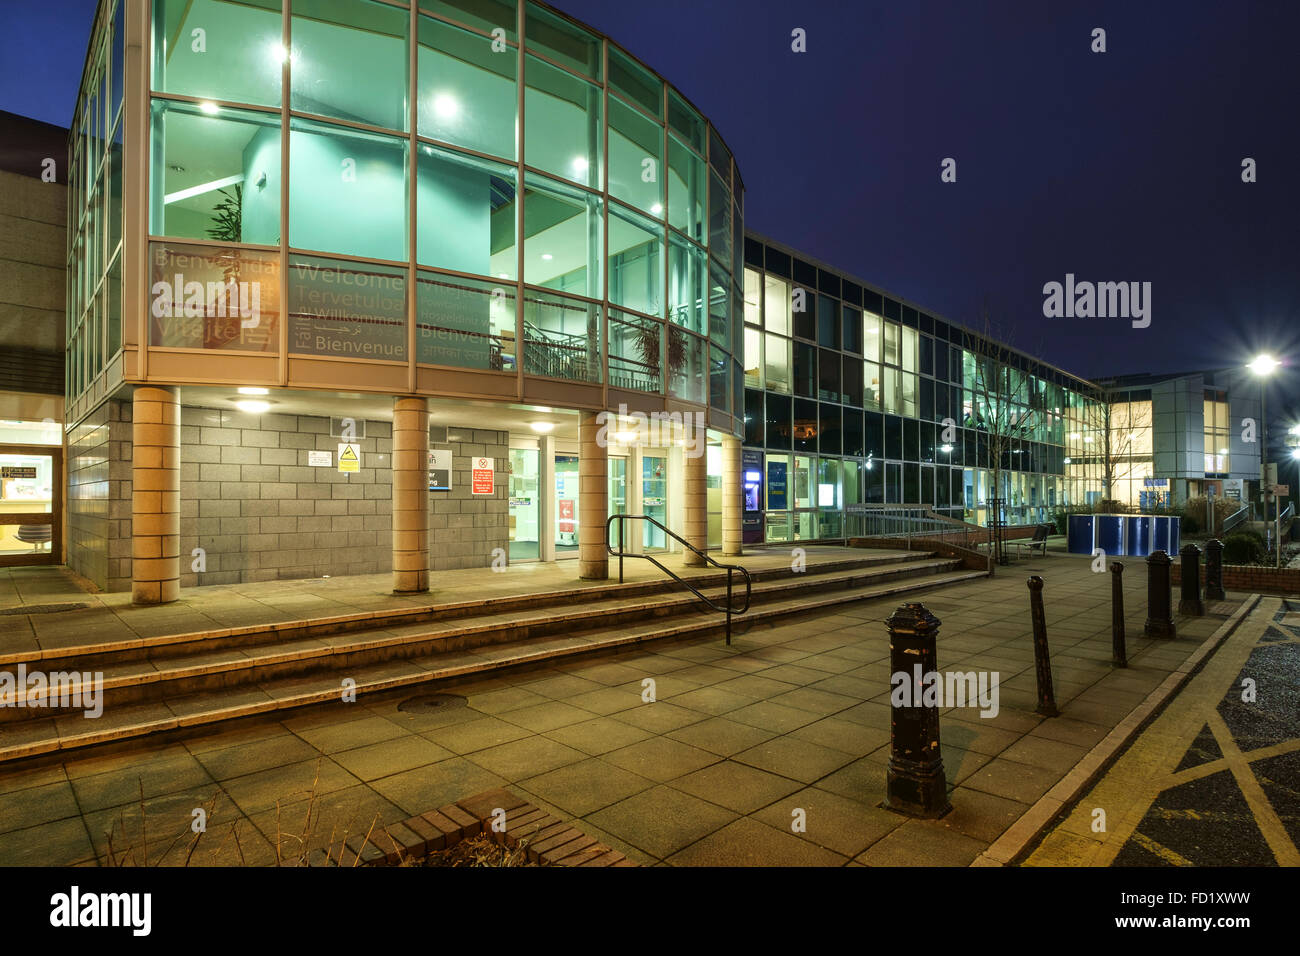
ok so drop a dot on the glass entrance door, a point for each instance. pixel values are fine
(566, 506)
(524, 505)
(654, 500)
(618, 497)
(31, 505)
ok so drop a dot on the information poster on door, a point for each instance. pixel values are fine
(481, 476)
(777, 491)
(566, 524)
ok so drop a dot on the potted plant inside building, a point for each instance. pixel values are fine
(227, 226)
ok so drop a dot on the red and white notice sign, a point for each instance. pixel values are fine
(481, 476)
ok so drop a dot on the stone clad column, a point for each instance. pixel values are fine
(732, 498)
(593, 499)
(410, 495)
(695, 495)
(155, 495)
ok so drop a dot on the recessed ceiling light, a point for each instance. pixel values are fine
(253, 390)
(657, 209)
(445, 106)
(542, 428)
(253, 407)
(547, 257)
(210, 108)
(580, 166)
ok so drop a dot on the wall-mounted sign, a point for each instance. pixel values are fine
(440, 469)
(18, 471)
(320, 459)
(349, 457)
(481, 477)
(651, 502)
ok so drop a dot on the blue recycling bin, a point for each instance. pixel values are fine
(1137, 530)
(1079, 534)
(1110, 534)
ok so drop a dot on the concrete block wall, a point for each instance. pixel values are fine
(250, 500)
(99, 496)
(464, 528)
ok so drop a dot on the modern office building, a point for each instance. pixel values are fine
(360, 286)
(33, 211)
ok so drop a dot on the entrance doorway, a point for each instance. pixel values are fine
(525, 505)
(654, 500)
(31, 505)
(566, 506)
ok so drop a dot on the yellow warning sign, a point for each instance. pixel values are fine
(349, 457)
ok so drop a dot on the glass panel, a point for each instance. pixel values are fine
(873, 387)
(485, 15)
(561, 337)
(753, 357)
(566, 504)
(686, 185)
(617, 501)
(468, 94)
(719, 219)
(217, 51)
(688, 282)
(635, 158)
(365, 177)
(114, 306)
(805, 370)
(776, 305)
(635, 350)
(206, 298)
(685, 121)
(371, 39)
(776, 364)
(685, 365)
(636, 261)
(753, 299)
(562, 41)
(852, 330)
(465, 214)
(805, 426)
(562, 241)
(828, 376)
(719, 305)
(114, 215)
(26, 488)
(719, 379)
(635, 83)
(828, 322)
(464, 323)
(563, 127)
(654, 500)
(215, 175)
(348, 312)
(525, 501)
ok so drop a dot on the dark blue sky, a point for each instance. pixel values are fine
(1122, 166)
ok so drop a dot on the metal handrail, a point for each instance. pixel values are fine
(1234, 519)
(728, 610)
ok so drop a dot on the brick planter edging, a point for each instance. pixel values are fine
(546, 840)
(1249, 577)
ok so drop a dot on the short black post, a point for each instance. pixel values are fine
(1160, 596)
(1191, 601)
(1042, 660)
(914, 783)
(1118, 650)
(1214, 570)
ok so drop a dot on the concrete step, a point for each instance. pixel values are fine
(71, 730)
(224, 665)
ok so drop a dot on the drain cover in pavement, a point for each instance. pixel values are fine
(431, 703)
(41, 608)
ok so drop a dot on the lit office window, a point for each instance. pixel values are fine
(465, 214)
(686, 190)
(349, 61)
(231, 194)
(753, 357)
(563, 249)
(636, 261)
(635, 159)
(216, 51)
(562, 125)
(776, 363)
(363, 176)
(776, 305)
(468, 94)
(688, 284)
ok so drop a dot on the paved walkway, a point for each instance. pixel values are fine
(791, 718)
(1215, 780)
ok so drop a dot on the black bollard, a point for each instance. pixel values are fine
(1191, 600)
(914, 783)
(1118, 651)
(1214, 570)
(1042, 661)
(1160, 597)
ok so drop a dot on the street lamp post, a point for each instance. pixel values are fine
(1263, 366)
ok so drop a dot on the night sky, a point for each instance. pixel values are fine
(1115, 166)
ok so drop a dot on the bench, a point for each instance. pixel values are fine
(1039, 540)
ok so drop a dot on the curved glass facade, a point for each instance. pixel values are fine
(476, 185)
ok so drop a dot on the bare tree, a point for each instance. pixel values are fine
(1006, 409)
(1118, 423)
